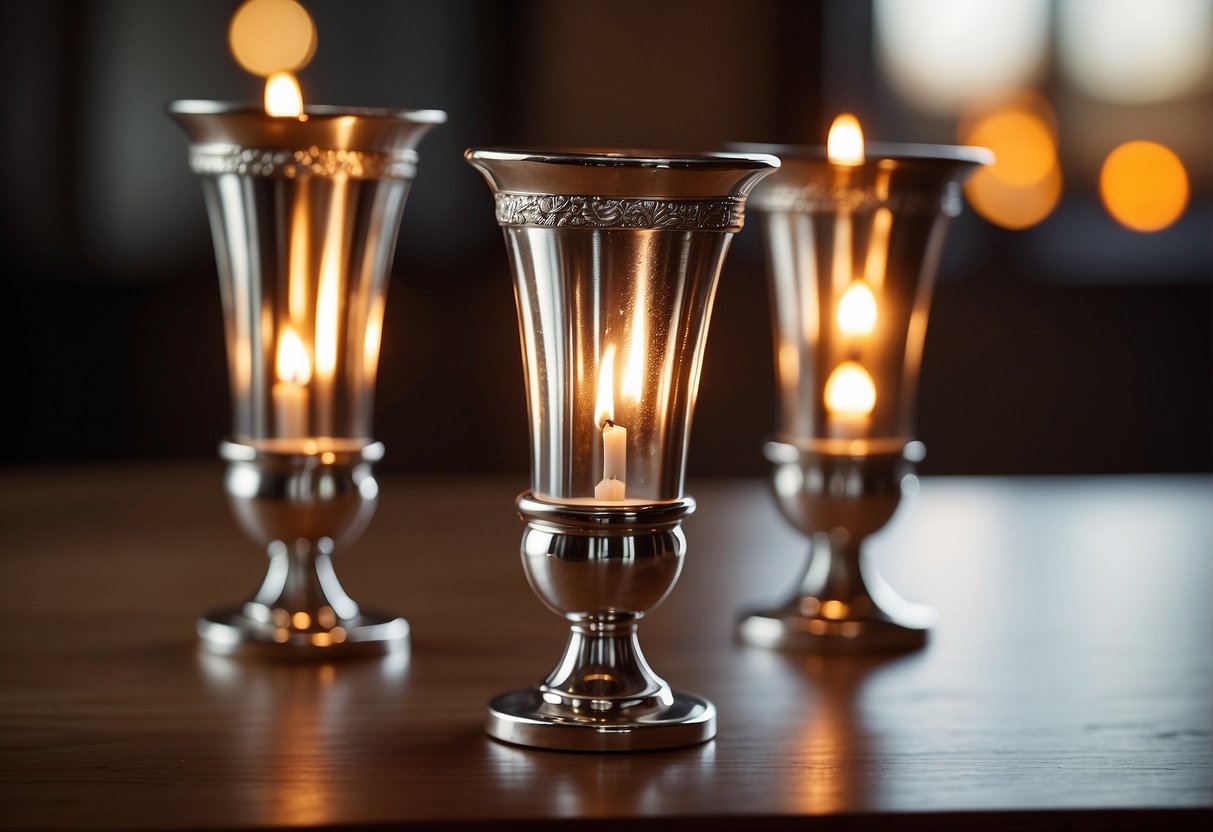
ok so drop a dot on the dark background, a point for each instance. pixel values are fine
(1075, 346)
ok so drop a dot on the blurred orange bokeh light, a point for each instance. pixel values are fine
(1024, 184)
(1144, 185)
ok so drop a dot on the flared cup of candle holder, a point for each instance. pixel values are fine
(615, 258)
(851, 253)
(304, 213)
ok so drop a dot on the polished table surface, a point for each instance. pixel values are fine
(1067, 685)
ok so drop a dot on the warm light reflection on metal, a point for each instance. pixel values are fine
(1144, 186)
(850, 391)
(283, 98)
(268, 36)
(298, 262)
(371, 342)
(328, 292)
(841, 267)
(878, 247)
(633, 373)
(857, 310)
(844, 145)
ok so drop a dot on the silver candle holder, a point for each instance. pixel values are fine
(304, 212)
(852, 247)
(615, 258)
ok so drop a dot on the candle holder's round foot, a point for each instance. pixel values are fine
(230, 632)
(788, 627)
(527, 717)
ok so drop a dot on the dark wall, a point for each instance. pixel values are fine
(1071, 347)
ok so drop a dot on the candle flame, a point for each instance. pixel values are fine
(850, 390)
(293, 364)
(844, 146)
(604, 408)
(856, 314)
(283, 98)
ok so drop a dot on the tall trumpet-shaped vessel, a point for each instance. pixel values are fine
(615, 258)
(852, 240)
(304, 213)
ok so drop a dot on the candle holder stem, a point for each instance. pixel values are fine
(301, 577)
(604, 665)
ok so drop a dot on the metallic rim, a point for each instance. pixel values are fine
(576, 211)
(607, 158)
(317, 111)
(220, 159)
(786, 451)
(235, 451)
(604, 519)
(877, 152)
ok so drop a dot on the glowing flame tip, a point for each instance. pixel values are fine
(844, 145)
(283, 98)
(293, 364)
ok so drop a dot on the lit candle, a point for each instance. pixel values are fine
(290, 393)
(844, 143)
(613, 486)
(283, 98)
(856, 313)
(850, 396)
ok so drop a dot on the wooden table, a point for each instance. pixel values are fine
(1067, 685)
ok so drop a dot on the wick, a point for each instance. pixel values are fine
(607, 423)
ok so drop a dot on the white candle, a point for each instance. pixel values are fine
(290, 393)
(290, 410)
(614, 437)
(614, 463)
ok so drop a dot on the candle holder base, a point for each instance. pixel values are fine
(841, 603)
(231, 632)
(895, 625)
(528, 717)
(602, 567)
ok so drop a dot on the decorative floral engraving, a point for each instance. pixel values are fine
(815, 199)
(214, 160)
(558, 211)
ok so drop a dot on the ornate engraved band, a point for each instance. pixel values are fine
(816, 199)
(214, 160)
(559, 211)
